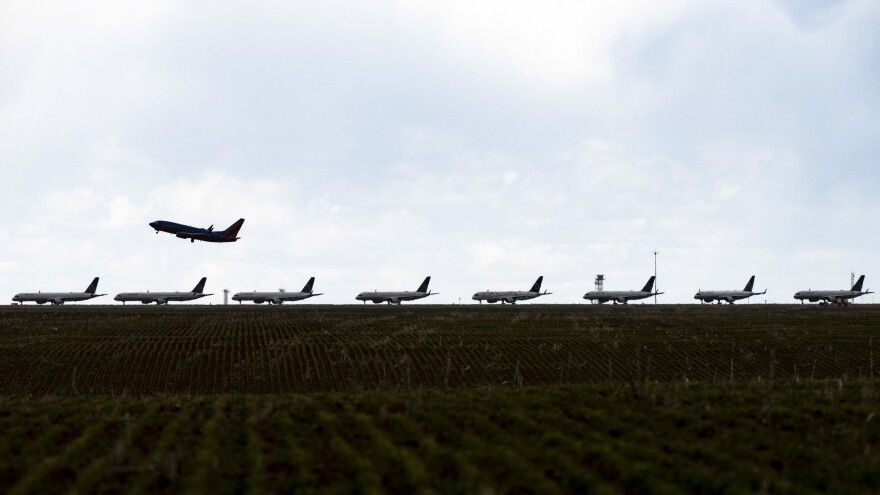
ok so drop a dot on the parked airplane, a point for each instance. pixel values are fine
(396, 297)
(164, 297)
(511, 296)
(59, 298)
(833, 296)
(728, 295)
(196, 234)
(277, 297)
(622, 296)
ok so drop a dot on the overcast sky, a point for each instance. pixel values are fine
(370, 144)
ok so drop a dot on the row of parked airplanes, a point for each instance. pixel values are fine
(396, 297)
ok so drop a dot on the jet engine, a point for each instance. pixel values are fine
(277, 300)
(57, 302)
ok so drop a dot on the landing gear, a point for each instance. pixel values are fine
(192, 240)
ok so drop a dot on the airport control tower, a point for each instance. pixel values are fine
(600, 284)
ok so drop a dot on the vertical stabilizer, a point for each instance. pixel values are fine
(750, 285)
(424, 286)
(649, 285)
(537, 286)
(93, 287)
(233, 229)
(308, 288)
(200, 287)
(859, 283)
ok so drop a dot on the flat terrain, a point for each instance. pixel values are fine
(115, 350)
(466, 399)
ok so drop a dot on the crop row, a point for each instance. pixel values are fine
(817, 436)
(276, 350)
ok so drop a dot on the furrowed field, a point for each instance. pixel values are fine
(639, 399)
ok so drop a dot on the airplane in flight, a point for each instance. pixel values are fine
(728, 295)
(196, 234)
(839, 297)
(164, 297)
(277, 297)
(396, 297)
(623, 296)
(511, 296)
(59, 298)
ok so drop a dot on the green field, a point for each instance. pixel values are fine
(466, 399)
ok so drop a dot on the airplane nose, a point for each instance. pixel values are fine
(474, 297)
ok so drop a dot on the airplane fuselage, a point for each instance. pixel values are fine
(56, 298)
(158, 297)
(617, 296)
(505, 296)
(828, 296)
(197, 234)
(728, 296)
(272, 297)
(391, 297)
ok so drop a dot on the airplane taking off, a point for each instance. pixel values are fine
(277, 297)
(622, 296)
(164, 297)
(511, 296)
(396, 297)
(728, 295)
(196, 234)
(59, 298)
(839, 297)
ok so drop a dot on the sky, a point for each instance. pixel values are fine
(484, 143)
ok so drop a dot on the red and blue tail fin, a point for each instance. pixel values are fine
(232, 231)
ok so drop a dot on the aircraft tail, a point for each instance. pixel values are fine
(424, 286)
(200, 287)
(649, 285)
(859, 283)
(750, 285)
(308, 288)
(233, 229)
(93, 287)
(537, 286)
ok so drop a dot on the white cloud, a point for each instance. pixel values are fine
(483, 142)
